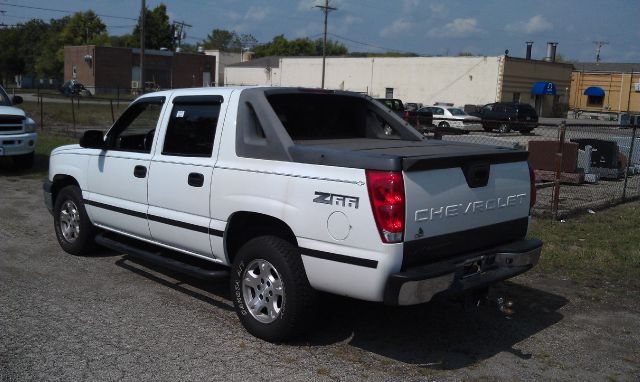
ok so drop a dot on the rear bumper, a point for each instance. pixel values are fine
(17, 144)
(419, 284)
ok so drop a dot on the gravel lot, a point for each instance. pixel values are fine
(110, 318)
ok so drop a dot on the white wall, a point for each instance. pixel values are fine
(239, 76)
(460, 80)
(222, 60)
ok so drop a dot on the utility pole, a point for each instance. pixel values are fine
(325, 9)
(599, 44)
(179, 33)
(143, 12)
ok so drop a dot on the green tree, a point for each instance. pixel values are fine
(280, 46)
(50, 61)
(228, 41)
(158, 32)
(11, 62)
(83, 28)
(219, 39)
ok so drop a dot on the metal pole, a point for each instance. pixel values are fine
(556, 186)
(113, 119)
(73, 115)
(41, 119)
(143, 11)
(626, 172)
(324, 40)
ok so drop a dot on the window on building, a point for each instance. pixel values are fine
(595, 100)
(388, 93)
(516, 97)
(192, 127)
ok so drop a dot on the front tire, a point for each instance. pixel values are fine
(74, 230)
(270, 290)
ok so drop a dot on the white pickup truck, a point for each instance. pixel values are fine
(290, 191)
(17, 132)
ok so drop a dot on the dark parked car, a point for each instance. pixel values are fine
(421, 120)
(74, 88)
(507, 116)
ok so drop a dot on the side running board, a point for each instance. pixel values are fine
(157, 258)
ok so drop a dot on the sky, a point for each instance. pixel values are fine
(425, 27)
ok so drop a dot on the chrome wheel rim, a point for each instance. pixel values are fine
(263, 291)
(70, 221)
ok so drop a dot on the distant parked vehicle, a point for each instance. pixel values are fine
(413, 106)
(421, 120)
(454, 119)
(17, 132)
(507, 116)
(74, 88)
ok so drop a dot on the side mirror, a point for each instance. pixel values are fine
(92, 139)
(16, 100)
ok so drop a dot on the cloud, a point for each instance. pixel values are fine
(457, 28)
(256, 13)
(233, 16)
(398, 26)
(536, 24)
(410, 5)
(438, 10)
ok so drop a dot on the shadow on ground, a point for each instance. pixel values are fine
(40, 167)
(437, 335)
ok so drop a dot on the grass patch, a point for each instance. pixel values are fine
(56, 114)
(45, 144)
(600, 250)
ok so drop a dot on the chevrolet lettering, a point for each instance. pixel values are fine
(469, 208)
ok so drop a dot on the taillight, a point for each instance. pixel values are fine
(405, 115)
(532, 191)
(386, 193)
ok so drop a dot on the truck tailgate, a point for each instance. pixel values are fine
(475, 204)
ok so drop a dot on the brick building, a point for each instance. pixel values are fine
(105, 69)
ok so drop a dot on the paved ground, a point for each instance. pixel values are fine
(107, 318)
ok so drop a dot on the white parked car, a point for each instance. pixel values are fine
(446, 117)
(17, 131)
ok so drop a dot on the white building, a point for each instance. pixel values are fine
(458, 80)
(222, 60)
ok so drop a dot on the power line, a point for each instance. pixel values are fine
(64, 11)
(367, 44)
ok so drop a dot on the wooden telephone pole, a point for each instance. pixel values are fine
(325, 9)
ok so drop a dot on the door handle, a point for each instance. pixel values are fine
(195, 179)
(139, 171)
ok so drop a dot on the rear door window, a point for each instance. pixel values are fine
(192, 127)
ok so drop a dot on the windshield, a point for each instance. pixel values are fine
(454, 111)
(4, 98)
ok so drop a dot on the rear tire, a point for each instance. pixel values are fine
(74, 230)
(443, 125)
(503, 128)
(270, 289)
(24, 162)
